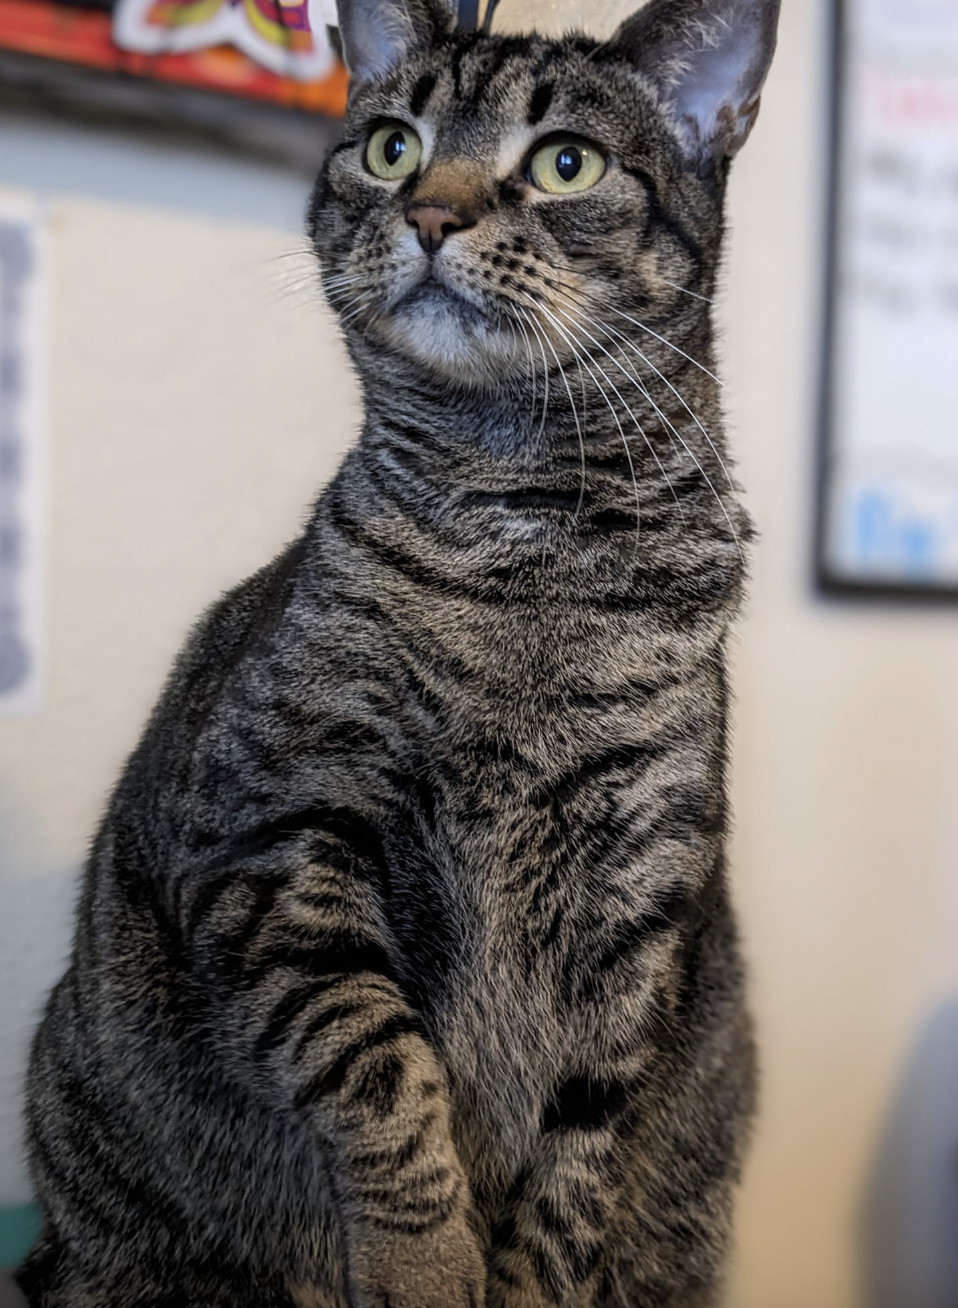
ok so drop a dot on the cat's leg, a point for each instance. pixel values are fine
(627, 1200)
(303, 978)
(550, 1246)
(602, 1219)
(552, 1243)
(683, 1164)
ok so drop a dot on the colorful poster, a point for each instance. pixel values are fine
(286, 36)
(889, 516)
(22, 461)
(276, 51)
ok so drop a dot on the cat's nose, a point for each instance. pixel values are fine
(435, 222)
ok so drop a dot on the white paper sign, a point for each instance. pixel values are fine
(891, 463)
(22, 472)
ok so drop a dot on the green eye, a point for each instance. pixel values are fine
(393, 152)
(565, 167)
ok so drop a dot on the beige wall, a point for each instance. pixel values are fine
(846, 792)
(197, 405)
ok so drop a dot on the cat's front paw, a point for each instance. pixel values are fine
(439, 1269)
(511, 1286)
(503, 1295)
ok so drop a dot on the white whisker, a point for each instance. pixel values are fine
(612, 331)
(358, 310)
(566, 336)
(532, 364)
(578, 425)
(706, 478)
(545, 376)
(695, 363)
(622, 401)
(685, 291)
(561, 267)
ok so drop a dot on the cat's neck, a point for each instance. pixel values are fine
(657, 436)
(554, 495)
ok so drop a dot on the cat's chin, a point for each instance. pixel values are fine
(452, 337)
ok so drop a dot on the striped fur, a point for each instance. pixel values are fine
(405, 973)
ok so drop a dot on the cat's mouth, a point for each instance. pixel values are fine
(449, 329)
(432, 292)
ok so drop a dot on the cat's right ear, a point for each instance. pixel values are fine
(377, 35)
(708, 60)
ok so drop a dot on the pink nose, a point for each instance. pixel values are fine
(435, 222)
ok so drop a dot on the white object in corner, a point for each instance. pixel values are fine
(23, 476)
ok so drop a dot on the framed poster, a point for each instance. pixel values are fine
(275, 52)
(888, 493)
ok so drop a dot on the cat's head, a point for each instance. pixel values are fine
(497, 197)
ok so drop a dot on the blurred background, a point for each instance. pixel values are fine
(173, 395)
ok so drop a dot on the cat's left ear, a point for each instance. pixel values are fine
(709, 60)
(377, 35)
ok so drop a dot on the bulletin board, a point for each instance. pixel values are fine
(888, 485)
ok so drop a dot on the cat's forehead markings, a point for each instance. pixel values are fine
(421, 93)
(541, 102)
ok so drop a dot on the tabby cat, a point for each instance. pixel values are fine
(405, 974)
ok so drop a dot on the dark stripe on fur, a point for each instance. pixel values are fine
(631, 938)
(335, 1075)
(324, 958)
(421, 93)
(584, 1104)
(659, 216)
(541, 103)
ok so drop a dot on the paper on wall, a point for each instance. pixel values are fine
(22, 465)
(892, 468)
